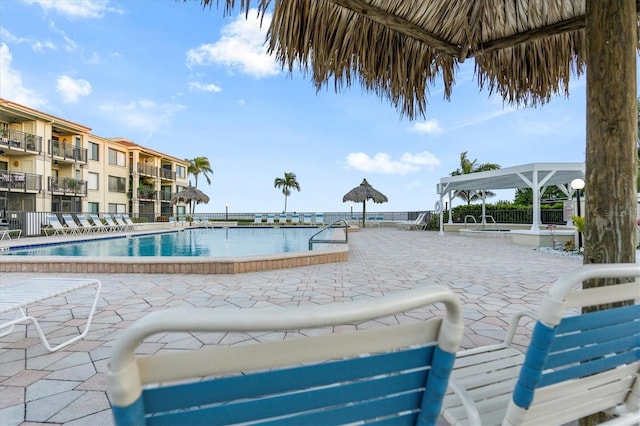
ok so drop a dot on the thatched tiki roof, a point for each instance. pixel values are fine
(190, 195)
(362, 193)
(525, 50)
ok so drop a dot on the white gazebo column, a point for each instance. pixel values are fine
(449, 202)
(441, 213)
(484, 208)
(535, 188)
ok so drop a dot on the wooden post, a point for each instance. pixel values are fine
(612, 134)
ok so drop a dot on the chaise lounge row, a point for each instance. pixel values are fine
(283, 219)
(80, 224)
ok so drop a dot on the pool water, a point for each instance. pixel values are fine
(217, 242)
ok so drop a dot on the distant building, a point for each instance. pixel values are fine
(50, 164)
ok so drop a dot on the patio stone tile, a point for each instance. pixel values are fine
(24, 378)
(10, 396)
(12, 416)
(45, 388)
(41, 410)
(89, 403)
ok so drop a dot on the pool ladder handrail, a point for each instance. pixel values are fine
(331, 225)
(484, 222)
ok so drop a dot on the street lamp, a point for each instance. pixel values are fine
(226, 212)
(578, 185)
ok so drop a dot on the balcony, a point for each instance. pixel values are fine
(165, 197)
(20, 182)
(147, 170)
(67, 186)
(67, 153)
(146, 194)
(17, 142)
(167, 174)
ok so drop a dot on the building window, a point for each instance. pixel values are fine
(94, 150)
(117, 184)
(93, 208)
(116, 158)
(117, 208)
(92, 181)
(181, 171)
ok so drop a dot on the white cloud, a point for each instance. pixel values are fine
(428, 127)
(11, 85)
(199, 87)
(142, 115)
(6, 35)
(383, 163)
(240, 48)
(471, 121)
(71, 89)
(41, 46)
(76, 9)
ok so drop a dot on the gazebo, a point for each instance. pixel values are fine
(536, 176)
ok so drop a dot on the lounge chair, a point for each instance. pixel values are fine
(395, 373)
(111, 224)
(306, 219)
(101, 227)
(257, 219)
(119, 220)
(577, 364)
(271, 218)
(204, 222)
(131, 223)
(86, 225)
(319, 219)
(295, 218)
(418, 223)
(282, 219)
(57, 228)
(70, 222)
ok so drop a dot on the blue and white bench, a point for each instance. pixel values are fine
(576, 364)
(386, 373)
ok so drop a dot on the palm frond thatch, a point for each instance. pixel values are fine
(190, 194)
(362, 193)
(525, 50)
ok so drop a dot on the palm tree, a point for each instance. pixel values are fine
(286, 184)
(196, 166)
(200, 165)
(467, 167)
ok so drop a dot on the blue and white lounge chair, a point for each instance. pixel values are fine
(57, 228)
(101, 227)
(282, 219)
(306, 218)
(111, 224)
(71, 225)
(257, 219)
(577, 364)
(86, 225)
(418, 223)
(319, 219)
(119, 220)
(271, 218)
(295, 218)
(396, 374)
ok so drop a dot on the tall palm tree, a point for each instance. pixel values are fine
(466, 167)
(286, 184)
(200, 165)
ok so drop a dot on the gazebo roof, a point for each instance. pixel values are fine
(514, 177)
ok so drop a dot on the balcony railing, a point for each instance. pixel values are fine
(20, 182)
(147, 194)
(166, 196)
(21, 141)
(167, 174)
(67, 186)
(67, 151)
(146, 169)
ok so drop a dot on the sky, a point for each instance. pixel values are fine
(188, 81)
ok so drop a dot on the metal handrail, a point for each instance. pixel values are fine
(484, 222)
(331, 225)
(469, 216)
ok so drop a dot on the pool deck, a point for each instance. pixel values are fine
(493, 277)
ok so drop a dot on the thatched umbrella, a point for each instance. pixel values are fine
(524, 50)
(189, 195)
(362, 193)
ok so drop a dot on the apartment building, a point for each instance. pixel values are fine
(50, 164)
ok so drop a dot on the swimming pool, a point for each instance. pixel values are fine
(215, 242)
(41, 255)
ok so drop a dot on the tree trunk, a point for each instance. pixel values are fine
(611, 157)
